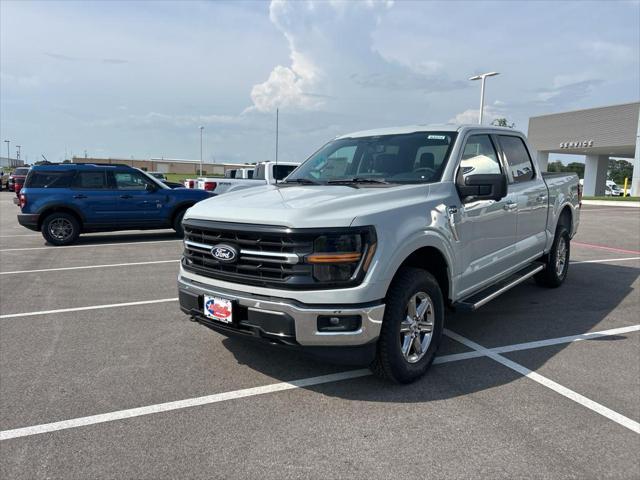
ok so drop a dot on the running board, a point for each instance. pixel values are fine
(477, 300)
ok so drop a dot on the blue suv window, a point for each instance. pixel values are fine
(130, 181)
(90, 180)
(49, 179)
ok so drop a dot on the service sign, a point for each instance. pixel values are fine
(577, 144)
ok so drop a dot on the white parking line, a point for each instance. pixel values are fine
(88, 245)
(93, 307)
(22, 235)
(556, 387)
(305, 382)
(606, 260)
(86, 267)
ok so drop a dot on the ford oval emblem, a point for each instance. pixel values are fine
(224, 253)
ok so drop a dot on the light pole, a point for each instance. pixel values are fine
(483, 77)
(201, 129)
(8, 142)
(18, 152)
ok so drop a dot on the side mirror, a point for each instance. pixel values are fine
(482, 186)
(150, 188)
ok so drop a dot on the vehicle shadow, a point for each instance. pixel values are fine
(125, 237)
(526, 313)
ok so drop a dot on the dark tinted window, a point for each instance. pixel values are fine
(249, 173)
(93, 180)
(281, 171)
(517, 157)
(44, 179)
(21, 171)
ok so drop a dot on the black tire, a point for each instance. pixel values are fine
(555, 271)
(390, 362)
(60, 228)
(177, 222)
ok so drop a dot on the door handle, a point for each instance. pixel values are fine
(126, 196)
(509, 206)
(79, 196)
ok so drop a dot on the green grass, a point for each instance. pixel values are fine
(614, 199)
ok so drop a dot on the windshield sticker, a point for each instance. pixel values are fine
(437, 137)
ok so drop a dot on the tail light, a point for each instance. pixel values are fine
(23, 200)
(210, 186)
(579, 195)
(189, 183)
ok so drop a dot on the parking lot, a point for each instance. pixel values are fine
(102, 376)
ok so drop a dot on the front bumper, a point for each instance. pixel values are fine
(281, 320)
(29, 220)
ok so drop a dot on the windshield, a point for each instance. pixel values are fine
(21, 171)
(407, 158)
(155, 180)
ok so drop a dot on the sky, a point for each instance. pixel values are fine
(124, 79)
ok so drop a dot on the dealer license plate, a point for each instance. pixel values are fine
(219, 309)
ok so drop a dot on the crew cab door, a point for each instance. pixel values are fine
(486, 228)
(91, 195)
(139, 199)
(529, 191)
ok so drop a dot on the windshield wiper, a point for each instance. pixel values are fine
(303, 181)
(358, 180)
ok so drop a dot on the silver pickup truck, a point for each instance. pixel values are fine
(359, 252)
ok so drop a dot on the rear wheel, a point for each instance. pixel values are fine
(412, 327)
(556, 261)
(60, 228)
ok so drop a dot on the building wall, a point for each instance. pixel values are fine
(606, 127)
(165, 166)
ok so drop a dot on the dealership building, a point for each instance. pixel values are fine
(596, 133)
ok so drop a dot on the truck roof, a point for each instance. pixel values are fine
(423, 128)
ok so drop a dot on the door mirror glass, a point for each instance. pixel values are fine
(482, 186)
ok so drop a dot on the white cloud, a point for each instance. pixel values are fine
(491, 112)
(609, 51)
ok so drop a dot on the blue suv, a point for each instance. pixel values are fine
(63, 201)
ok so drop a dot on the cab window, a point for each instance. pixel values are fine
(518, 158)
(479, 156)
(130, 181)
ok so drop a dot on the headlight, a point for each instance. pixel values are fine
(341, 257)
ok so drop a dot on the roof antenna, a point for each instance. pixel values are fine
(277, 133)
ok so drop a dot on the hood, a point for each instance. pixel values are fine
(305, 206)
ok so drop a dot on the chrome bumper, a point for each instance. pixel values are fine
(304, 316)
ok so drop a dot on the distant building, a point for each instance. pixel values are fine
(597, 133)
(10, 162)
(166, 165)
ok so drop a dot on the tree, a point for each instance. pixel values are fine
(556, 166)
(502, 122)
(619, 170)
(576, 167)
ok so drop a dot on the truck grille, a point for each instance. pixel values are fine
(267, 255)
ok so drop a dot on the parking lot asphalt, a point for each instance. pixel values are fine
(101, 376)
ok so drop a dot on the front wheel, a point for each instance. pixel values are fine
(60, 228)
(556, 261)
(411, 328)
(177, 222)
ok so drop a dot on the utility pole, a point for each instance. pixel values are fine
(18, 147)
(8, 142)
(201, 129)
(483, 77)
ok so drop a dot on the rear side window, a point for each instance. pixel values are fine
(91, 180)
(44, 179)
(517, 158)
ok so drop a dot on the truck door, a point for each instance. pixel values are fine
(487, 228)
(528, 189)
(140, 200)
